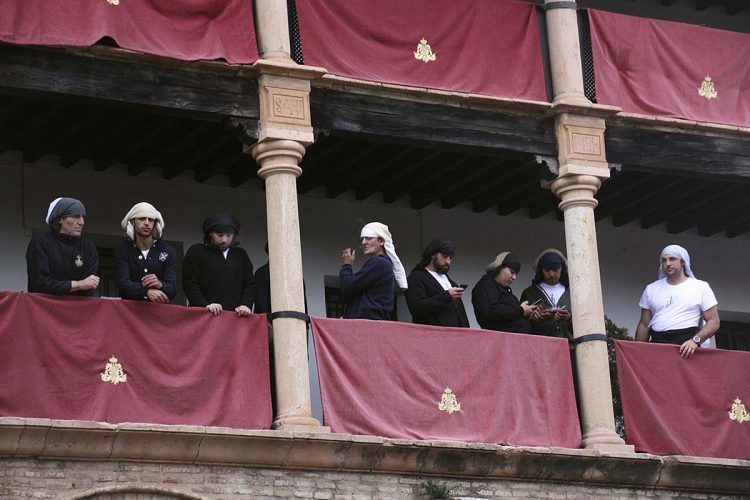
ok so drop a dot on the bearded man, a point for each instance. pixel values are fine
(61, 262)
(146, 265)
(433, 298)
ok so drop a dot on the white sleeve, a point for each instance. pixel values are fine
(708, 299)
(644, 302)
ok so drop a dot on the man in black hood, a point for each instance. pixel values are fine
(550, 288)
(61, 262)
(433, 298)
(217, 274)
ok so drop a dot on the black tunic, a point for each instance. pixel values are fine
(496, 308)
(371, 292)
(130, 267)
(430, 304)
(263, 290)
(550, 327)
(53, 260)
(208, 278)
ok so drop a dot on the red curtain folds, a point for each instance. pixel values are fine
(487, 47)
(388, 379)
(182, 29)
(654, 67)
(183, 366)
(674, 406)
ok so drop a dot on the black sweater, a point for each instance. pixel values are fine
(53, 260)
(369, 294)
(496, 308)
(131, 267)
(208, 278)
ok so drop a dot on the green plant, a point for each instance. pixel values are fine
(619, 333)
(437, 491)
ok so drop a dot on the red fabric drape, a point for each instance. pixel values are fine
(388, 379)
(182, 29)
(674, 406)
(487, 47)
(654, 67)
(183, 366)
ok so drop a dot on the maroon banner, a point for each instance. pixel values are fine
(125, 361)
(487, 47)
(409, 381)
(675, 406)
(670, 69)
(182, 29)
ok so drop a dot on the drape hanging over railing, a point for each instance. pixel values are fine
(181, 29)
(401, 380)
(487, 47)
(118, 361)
(674, 406)
(669, 69)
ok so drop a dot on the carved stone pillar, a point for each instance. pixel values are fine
(564, 52)
(284, 130)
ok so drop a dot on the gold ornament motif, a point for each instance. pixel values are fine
(113, 372)
(424, 52)
(78, 262)
(739, 414)
(448, 402)
(113, 2)
(707, 89)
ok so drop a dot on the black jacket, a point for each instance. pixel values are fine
(496, 308)
(551, 327)
(371, 293)
(430, 304)
(208, 278)
(130, 267)
(53, 260)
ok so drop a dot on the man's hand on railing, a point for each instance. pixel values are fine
(157, 296)
(85, 284)
(243, 311)
(214, 308)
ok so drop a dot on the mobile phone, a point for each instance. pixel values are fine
(464, 286)
(537, 302)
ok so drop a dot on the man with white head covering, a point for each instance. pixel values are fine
(217, 274)
(146, 266)
(677, 308)
(370, 293)
(61, 262)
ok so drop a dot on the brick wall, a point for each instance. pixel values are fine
(34, 478)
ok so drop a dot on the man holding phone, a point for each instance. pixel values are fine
(433, 298)
(549, 289)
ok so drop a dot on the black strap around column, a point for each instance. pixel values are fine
(589, 338)
(290, 314)
(560, 5)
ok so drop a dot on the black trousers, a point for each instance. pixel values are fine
(673, 336)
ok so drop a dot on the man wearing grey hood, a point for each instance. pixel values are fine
(677, 308)
(61, 262)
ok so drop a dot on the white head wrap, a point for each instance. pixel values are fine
(143, 209)
(676, 251)
(52, 206)
(379, 230)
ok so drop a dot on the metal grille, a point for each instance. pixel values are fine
(295, 41)
(587, 59)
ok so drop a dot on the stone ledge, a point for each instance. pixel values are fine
(77, 440)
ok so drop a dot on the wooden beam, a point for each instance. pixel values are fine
(367, 186)
(522, 192)
(169, 85)
(400, 184)
(631, 209)
(738, 228)
(344, 179)
(490, 195)
(413, 121)
(724, 216)
(679, 223)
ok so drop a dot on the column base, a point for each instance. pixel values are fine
(299, 424)
(606, 441)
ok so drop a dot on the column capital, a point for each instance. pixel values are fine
(278, 156)
(576, 190)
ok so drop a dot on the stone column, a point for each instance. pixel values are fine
(284, 130)
(579, 128)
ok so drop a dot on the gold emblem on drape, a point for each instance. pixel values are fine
(79, 261)
(449, 403)
(113, 372)
(739, 414)
(424, 52)
(113, 2)
(708, 90)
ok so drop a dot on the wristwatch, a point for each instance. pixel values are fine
(697, 340)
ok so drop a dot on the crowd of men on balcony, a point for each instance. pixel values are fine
(218, 275)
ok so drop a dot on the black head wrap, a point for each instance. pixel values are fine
(65, 207)
(504, 259)
(221, 223)
(551, 259)
(441, 245)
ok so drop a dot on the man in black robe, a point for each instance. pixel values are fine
(433, 298)
(61, 262)
(217, 274)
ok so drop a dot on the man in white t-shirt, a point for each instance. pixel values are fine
(677, 308)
